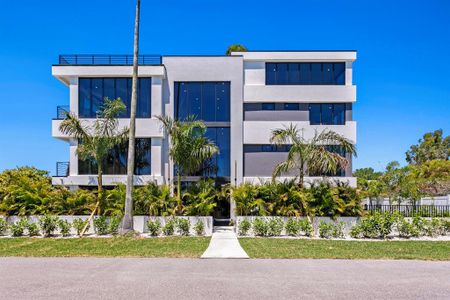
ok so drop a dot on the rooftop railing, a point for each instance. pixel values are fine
(105, 59)
(62, 111)
(62, 168)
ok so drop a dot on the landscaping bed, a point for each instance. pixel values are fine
(341, 249)
(104, 247)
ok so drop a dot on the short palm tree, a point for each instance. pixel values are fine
(189, 148)
(97, 140)
(313, 156)
(236, 48)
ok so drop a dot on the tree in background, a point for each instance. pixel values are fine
(313, 156)
(432, 177)
(236, 48)
(189, 148)
(432, 146)
(98, 139)
(367, 174)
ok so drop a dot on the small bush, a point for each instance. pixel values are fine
(48, 225)
(101, 225)
(406, 229)
(377, 225)
(3, 226)
(64, 227)
(154, 227)
(292, 227)
(183, 226)
(114, 225)
(33, 229)
(199, 228)
(356, 231)
(79, 224)
(169, 227)
(306, 227)
(18, 227)
(275, 227)
(244, 227)
(338, 230)
(260, 227)
(445, 225)
(325, 230)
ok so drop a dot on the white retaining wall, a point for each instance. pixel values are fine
(140, 223)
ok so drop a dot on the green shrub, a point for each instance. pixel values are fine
(434, 227)
(64, 227)
(183, 226)
(48, 225)
(199, 228)
(114, 225)
(306, 227)
(260, 227)
(79, 224)
(275, 227)
(377, 225)
(33, 229)
(406, 229)
(445, 225)
(356, 231)
(325, 230)
(3, 226)
(338, 230)
(169, 227)
(18, 227)
(154, 227)
(244, 227)
(292, 227)
(101, 225)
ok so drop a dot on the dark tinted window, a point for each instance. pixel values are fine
(314, 114)
(305, 73)
(219, 165)
(327, 114)
(291, 106)
(268, 106)
(93, 91)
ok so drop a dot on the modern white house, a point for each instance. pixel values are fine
(241, 98)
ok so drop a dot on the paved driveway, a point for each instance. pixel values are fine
(129, 278)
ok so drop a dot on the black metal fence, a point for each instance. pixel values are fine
(62, 169)
(105, 59)
(412, 210)
(61, 111)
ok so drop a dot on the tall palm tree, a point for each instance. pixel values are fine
(97, 140)
(189, 148)
(127, 223)
(314, 155)
(236, 48)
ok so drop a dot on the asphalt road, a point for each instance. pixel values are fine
(137, 278)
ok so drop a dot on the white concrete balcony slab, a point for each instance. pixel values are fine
(300, 93)
(145, 128)
(91, 180)
(259, 132)
(351, 181)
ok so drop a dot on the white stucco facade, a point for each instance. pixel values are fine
(246, 74)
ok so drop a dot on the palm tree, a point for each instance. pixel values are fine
(127, 223)
(97, 140)
(189, 148)
(314, 155)
(236, 48)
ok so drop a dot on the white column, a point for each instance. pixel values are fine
(73, 170)
(156, 96)
(73, 89)
(348, 73)
(156, 159)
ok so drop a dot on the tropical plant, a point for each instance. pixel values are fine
(275, 226)
(169, 227)
(33, 229)
(97, 140)
(260, 227)
(81, 225)
(325, 230)
(199, 228)
(433, 146)
(189, 148)
(314, 155)
(244, 226)
(246, 197)
(128, 214)
(113, 225)
(101, 225)
(292, 227)
(3, 226)
(48, 224)
(236, 48)
(154, 200)
(200, 198)
(64, 227)
(183, 225)
(154, 227)
(306, 227)
(338, 230)
(18, 227)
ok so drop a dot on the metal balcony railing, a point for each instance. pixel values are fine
(62, 168)
(62, 111)
(102, 59)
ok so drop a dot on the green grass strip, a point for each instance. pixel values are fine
(329, 249)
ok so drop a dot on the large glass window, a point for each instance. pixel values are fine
(327, 114)
(116, 161)
(207, 101)
(219, 165)
(305, 73)
(93, 91)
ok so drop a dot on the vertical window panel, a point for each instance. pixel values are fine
(327, 114)
(305, 73)
(328, 74)
(316, 73)
(223, 102)
(339, 114)
(208, 102)
(314, 114)
(271, 73)
(97, 96)
(294, 73)
(84, 98)
(339, 73)
(282, 74)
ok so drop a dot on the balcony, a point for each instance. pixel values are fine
(102, 60)
(62, 169)
(62, 111)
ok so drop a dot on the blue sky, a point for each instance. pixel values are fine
(402, 72)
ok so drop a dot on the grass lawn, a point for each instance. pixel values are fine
(105, 247)
(299, 248)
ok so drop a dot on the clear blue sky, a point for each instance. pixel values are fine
(402, 71)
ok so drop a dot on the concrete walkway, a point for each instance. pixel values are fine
(224, 244)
